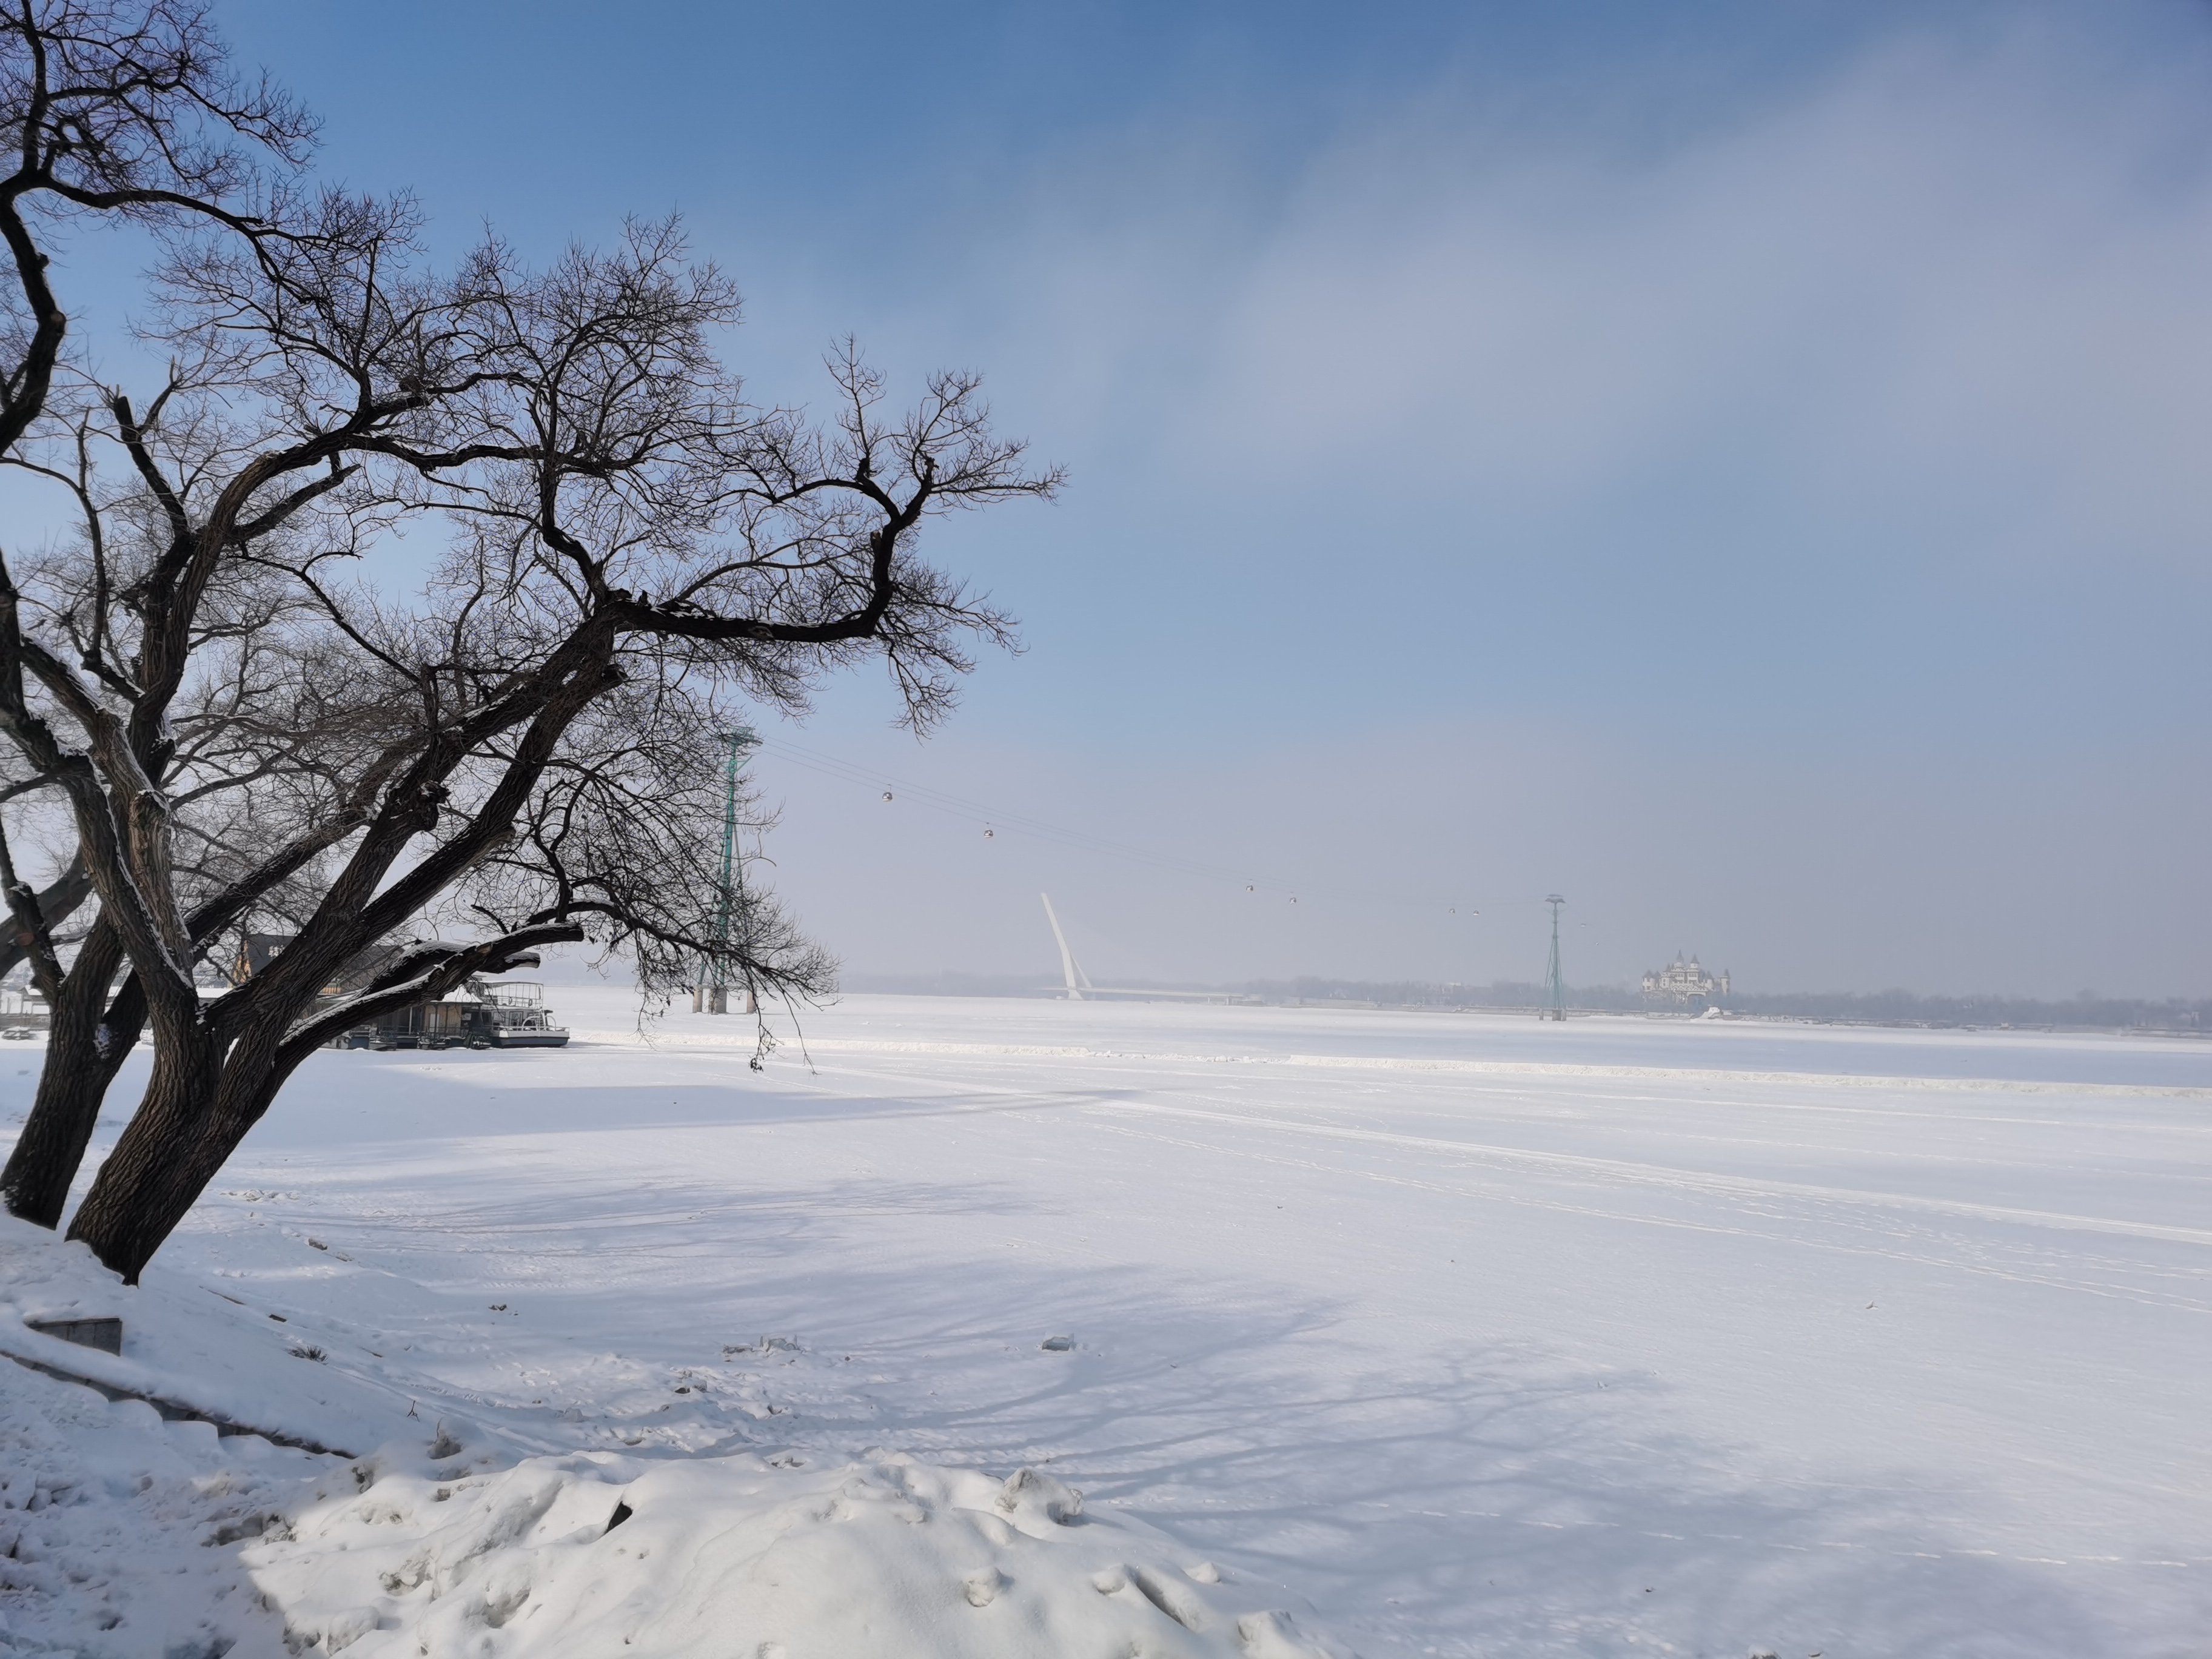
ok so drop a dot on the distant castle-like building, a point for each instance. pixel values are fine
(1686, 985)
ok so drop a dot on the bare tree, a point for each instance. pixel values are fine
(636, 551)
(163, 680)
(156, 633)
(231, 714)
(124, 108)
(114, 109)
(623, 832)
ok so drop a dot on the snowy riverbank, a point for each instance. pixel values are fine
(123, 1534)
(1490, 1338)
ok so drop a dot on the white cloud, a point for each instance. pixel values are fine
(1919, 357)
(1950, 294)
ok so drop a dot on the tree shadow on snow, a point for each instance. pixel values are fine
(1429, 1491)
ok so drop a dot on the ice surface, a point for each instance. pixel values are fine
(1486, 1336)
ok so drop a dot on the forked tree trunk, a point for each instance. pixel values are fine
(90, 1039)
(172, 1146)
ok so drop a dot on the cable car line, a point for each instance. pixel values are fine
(911, 793)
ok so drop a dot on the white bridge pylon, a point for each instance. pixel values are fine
(1078, 988)
(1077, 980)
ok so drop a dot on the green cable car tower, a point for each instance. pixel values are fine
(1558, 1008)
(713, 987)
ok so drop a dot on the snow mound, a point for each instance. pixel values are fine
(117, 1530)
(752, 1558)
(297, 1378)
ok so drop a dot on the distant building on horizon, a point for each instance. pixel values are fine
(1686, 985)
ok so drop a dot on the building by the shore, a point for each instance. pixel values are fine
(1685, 986)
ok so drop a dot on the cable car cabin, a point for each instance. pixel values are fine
(493, 1017)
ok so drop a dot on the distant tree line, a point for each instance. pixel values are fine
(1874, 1007)
(1891, 1007)
(1426, 994)
(1907, 1007)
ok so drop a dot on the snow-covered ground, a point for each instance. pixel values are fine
(1483, 1336)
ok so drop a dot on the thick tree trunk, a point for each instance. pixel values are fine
(198, 1105)
(90, 1039)
(207, 1091)
(169, 1151)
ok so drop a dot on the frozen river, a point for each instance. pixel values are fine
(1490, 1337)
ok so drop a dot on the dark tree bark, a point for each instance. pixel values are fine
(89, 1040)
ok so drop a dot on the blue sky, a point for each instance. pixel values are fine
(1742, 466)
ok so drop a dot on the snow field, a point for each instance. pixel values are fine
(124, 1536)
(119, 1533)
(1490, 1338)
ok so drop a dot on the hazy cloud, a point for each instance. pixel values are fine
(1558, 473)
